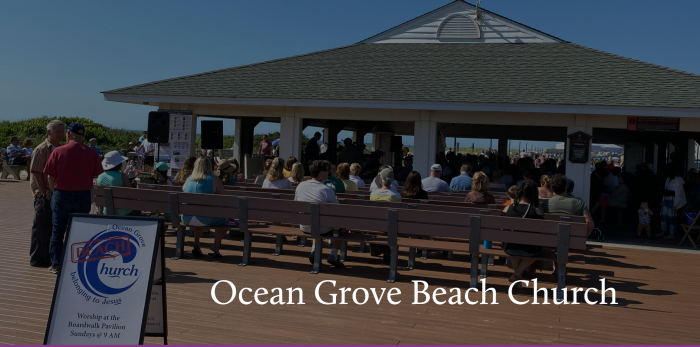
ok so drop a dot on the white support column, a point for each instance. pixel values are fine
(376, 144)
(424, 144)
(290, 135)
(354, 138)
(193, 139)
(579, 173)
(237, 136)
(326, 135)
(691, 154)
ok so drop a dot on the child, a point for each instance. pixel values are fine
(644, 219)
(512, 193)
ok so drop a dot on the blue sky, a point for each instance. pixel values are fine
(57, 56)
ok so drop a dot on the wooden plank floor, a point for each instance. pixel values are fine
(656, 291)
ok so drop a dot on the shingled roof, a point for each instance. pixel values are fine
(550, 74)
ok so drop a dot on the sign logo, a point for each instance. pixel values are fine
(105, 263)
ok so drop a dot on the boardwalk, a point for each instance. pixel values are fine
(656, 292)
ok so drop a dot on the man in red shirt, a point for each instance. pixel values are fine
(265, 146)
(70, 170)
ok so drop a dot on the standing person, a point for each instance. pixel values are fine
(674, 199)
(41, 228)
(144, 136)
(385, 193)
(434, 184)
(314, 190)
(114, 177)
(27, 147)
(93, 145)
(312, 151)
(265, 147)
(644, 219)
(70, 169)
(275, 178)
(355, 170)
(148, 149)
(463, 181)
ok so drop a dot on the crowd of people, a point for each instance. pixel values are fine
(62, 178)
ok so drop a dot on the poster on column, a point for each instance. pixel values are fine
(103, 289)
(178, 147)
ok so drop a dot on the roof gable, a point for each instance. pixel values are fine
(493, 28)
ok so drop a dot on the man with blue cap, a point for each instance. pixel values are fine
(70, 170)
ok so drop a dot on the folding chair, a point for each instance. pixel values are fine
(693, 227)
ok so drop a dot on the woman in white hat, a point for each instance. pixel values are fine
(114, 177)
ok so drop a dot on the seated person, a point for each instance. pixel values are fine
(185, 171)
(434, 184)
(413, 188)
(343, 172)
(297, 175)
(314, 190)
(525, 205)
(616, 199)
(355, 171)
(377, 182)
(479, 193)
(562, 203)
(161, 173)
(512, 193)
(275, 178)
(203, 181)
(385, 193)
(543, 190)
(287, 171)
(261, 178)
(114, 177)
(463, 181)
(334, 182)
(496, 180)
(16, 155)
(227, 172)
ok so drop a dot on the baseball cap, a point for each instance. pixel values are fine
(76, 128)
(161, 166)
(387, 176)
(436, 167)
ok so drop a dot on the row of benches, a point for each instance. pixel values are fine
(445, 227)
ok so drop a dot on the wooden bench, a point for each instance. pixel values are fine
(7, 169)
(387, 224)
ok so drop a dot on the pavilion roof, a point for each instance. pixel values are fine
(550, 74)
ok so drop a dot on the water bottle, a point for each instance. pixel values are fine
(487, 244)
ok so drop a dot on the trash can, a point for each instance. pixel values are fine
(689, 217)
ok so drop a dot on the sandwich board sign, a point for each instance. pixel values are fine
(103, 290)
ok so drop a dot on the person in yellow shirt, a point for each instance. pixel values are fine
(343, 172)
(385, 193)
(287, 170)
